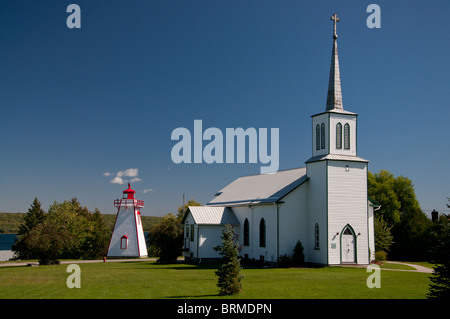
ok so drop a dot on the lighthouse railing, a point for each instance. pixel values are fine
(128, 203)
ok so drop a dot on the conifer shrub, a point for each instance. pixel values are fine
(229, 272)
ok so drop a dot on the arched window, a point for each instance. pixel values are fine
(322, 136)
(317, 137)
(316, 236)
(246, 233)
(347, 136)
(262, 233)
(339, 136)
(124, 242)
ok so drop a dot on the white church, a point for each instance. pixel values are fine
(324, 205)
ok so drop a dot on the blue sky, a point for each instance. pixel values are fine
(80, 103)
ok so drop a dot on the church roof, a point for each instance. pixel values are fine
(336, 157)
(209, 215)
(259, 189)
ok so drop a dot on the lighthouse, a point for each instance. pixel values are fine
(127, 239)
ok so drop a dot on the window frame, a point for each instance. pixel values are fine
(347, 136)
(322, 136)
(124, 242)
(317, 137)
(262, 233)
(316, 236)
(339, 136)
(246, 232)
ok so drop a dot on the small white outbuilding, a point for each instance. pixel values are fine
(202, 225)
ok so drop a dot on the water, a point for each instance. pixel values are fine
(6, 241)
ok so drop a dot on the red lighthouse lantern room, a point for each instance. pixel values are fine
(128, 193)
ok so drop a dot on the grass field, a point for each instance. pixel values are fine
(150, 280)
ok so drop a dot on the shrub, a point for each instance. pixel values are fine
(380, 256)
(229, 272)
(284, 261)
(298, 258)
(166, 239)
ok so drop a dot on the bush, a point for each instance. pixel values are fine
(440, 247)
(166, 239)
(229, 272)
(48, 240)
(380, 256)
(284, 261)
(298, 258)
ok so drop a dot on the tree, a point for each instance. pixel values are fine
(167, 238)
(67, 230)
(96, 241)
(439, 239)
(48, 240)
(381, 188)
(31, 219)
(229, 272)
(181, 210)
(383, 236)
(402, 213)
(89, 233)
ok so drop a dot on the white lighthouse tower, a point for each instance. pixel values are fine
(127, 239)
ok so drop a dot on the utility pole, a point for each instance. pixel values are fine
(183, 205)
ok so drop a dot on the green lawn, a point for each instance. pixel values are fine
(150, 280)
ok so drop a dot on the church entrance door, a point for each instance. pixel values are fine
(348, 246)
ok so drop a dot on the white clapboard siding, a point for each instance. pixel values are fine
(343, 119)
(292, 218)
(317, 212)
(347, 204)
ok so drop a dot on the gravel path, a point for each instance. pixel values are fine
(418, 267)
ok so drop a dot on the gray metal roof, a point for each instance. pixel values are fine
(208, 215)
(258, 189)
(336, 157)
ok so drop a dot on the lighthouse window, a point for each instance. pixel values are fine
(123, 242)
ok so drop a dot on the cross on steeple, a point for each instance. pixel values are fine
(335, 18)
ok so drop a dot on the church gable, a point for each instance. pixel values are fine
(205, 215)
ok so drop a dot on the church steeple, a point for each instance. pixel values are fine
(334, 131)
(334, 96)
